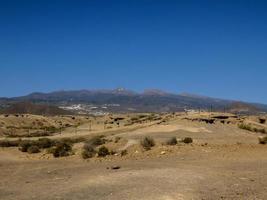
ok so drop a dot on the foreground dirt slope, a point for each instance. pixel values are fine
(226, 173)
(224, 162)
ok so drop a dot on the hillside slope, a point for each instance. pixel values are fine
(35, 109)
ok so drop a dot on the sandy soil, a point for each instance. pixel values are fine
(224, 162)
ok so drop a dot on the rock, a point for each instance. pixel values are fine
(163, 153)
(262, 120)
(263, 139)
(115, 167)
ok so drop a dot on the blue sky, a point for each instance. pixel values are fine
(213, 48)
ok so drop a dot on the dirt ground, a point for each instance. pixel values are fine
(223, 162)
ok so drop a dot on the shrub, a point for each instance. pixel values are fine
(25, 144)
(124, 152)
(147, 143)
(61, 149)
(88, 151)
(33, 149)
(44, 143)
(9, 143)
(172, 141)
(187, 140)
(103, 151)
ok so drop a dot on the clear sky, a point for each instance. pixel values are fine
(214, 48)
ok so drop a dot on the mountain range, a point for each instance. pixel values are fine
(122, 100)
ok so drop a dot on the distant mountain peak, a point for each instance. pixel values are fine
(186, 94)
(155, 92)
(120, 89)
(123, 91)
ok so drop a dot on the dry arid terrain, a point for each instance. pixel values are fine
(147, 156)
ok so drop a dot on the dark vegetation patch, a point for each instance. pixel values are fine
(33, 149)
(61, 149)
(172, 141)
(147, 143)
(25, 144)
(187, 140)
(88, 151)
(103, 151)
(10, 143)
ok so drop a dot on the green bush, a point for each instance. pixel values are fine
(33, 149)
(25, 144)
(61, 149)
(88, 151)
(172, 141)
(103, 151)
(147, 143)
(44, 143)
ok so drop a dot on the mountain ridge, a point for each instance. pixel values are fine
(152, 100)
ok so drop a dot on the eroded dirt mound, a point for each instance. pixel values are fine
(18, 125)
